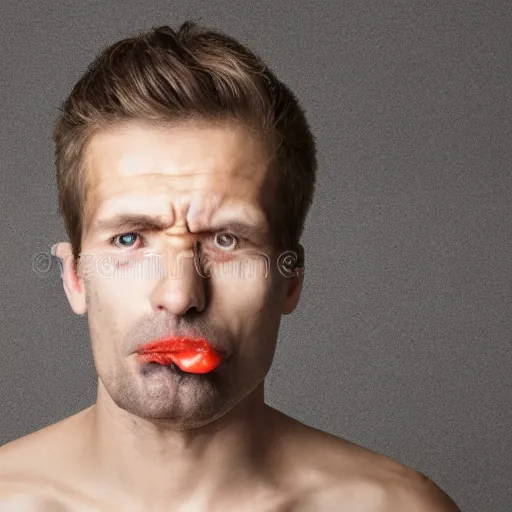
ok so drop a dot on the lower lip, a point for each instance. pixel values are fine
(149, 368)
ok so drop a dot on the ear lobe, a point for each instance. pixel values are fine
(294, 289)
(72, 282)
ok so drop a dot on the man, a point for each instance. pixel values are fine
(185, 173)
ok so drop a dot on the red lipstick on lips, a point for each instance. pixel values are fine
(193, 355)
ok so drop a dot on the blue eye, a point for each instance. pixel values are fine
(124, 240)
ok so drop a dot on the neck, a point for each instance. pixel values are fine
(176, 466)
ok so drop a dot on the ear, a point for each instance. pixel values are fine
(72, 282)
(293, 291)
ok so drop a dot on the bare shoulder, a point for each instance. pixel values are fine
(337, 474)
(419, 494)
(31, 468)
(21, 491)
(39, 449)
(412, 493)
(13, 499)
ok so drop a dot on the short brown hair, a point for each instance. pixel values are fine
(165, 76)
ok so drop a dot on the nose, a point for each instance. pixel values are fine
(181, 287)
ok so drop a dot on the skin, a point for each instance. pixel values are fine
(156, 441)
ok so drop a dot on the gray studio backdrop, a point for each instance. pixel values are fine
(402, 340)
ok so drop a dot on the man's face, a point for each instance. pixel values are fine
(141, 283)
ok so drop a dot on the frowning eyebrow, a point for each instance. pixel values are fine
(122, 222)
(126, 222)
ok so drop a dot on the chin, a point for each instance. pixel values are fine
(180, 401)
(179, 418)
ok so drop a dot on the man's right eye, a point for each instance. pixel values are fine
(125, 240)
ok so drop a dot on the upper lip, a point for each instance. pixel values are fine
(168, 343)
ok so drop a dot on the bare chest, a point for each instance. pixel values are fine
(45, 501)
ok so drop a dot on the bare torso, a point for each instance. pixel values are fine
(311, 471)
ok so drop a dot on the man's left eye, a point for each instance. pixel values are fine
(226, 241)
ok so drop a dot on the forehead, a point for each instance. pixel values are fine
(164, 168)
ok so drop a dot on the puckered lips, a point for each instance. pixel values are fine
(192, 355)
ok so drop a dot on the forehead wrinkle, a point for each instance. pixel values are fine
(169, 208)
(213, 215)
(232, 153)
(173, 144)
(154, 187)
(172, 184)
(168, 198)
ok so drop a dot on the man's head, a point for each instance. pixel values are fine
(170, 139)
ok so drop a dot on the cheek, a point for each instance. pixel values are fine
(116, 294)
(251, 304)
(109, 322)
(110, 306)
(240, 293)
